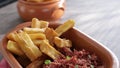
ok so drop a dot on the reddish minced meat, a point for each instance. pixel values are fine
(75, 59)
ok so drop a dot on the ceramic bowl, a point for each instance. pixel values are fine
(49, 10)
(79, 39)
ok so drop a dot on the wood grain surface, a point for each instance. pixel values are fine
(99, 19)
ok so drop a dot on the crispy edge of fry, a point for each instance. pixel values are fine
(39, 23)
(28, 47)
(50, 34)
(33, 30)
(47, 49)
(14, 48)
(11, 36)
(64, 27)
(37, 42)
(35, 36)
(62, 42)
(39, 36)
(35, 22)
(44, 24)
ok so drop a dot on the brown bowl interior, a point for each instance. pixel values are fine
(79, 40)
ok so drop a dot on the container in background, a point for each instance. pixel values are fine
(49, 10)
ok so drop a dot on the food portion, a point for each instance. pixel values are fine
(42, 47)
(75, 59)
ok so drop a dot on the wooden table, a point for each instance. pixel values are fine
(98, 18)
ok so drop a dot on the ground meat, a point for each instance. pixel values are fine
(75, 59)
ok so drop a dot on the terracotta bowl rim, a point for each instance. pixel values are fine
(114, 57)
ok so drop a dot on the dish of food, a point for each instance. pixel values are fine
(45, 45)
(75, 59)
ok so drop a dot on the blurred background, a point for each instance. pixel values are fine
(2, 4)
(5, 2)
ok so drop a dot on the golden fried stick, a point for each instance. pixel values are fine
(62, 42)
(64, 27)
(47, 49)
(38, 42)
(39, 24)
(50, 34)
(33, 36)
(39, 36)
(14, 48)
(11, 36)
(27, 46)
(44, 24)
(35, 23)
(33, 30)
